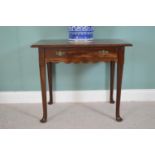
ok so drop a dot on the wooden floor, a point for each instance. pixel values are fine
(78, 116)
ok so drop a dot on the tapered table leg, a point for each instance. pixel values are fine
(42, 67)
(112, 74)
(49, 67)
(120, 64)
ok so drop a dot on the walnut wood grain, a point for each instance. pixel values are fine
(94, 43)
(49, 69)
(85, 55)
(112, 74)
(42, 66)
(56, 51)
(120, 65)
(83, 58)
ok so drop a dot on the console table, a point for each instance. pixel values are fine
(56, 51)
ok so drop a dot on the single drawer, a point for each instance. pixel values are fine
(81, 55)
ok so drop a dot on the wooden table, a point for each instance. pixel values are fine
(55, 51)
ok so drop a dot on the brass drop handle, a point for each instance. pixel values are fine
(60, 53)
(103, 51)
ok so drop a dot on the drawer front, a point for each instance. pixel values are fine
(80, 55)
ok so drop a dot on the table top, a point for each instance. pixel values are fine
(93, 43)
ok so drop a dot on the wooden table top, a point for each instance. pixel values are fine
(93, 43)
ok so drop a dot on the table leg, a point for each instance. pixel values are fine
(119, 83)
(42, 67)
(49, 67)
(112, 74)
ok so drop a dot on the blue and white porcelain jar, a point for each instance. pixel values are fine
(81, 33)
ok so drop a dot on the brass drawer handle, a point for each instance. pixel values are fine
(103, 51)
(60, 53)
